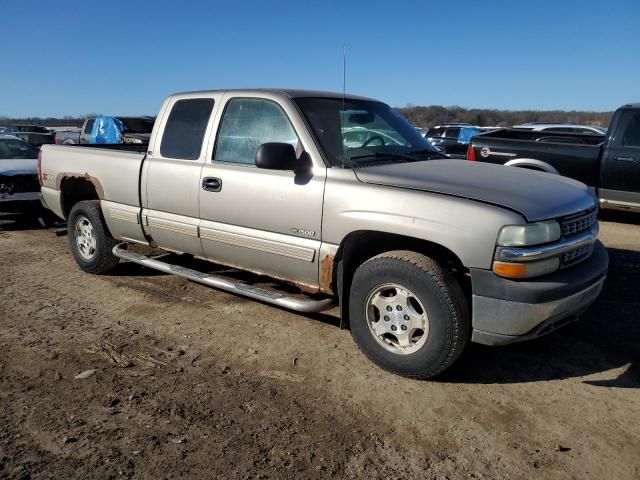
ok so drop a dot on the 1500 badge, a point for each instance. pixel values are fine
(302, 231)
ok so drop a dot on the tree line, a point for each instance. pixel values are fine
(430, 116)
(419, 116)
(66, 121)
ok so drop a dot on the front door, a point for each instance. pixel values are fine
(261, 220)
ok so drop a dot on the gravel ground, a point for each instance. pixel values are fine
(185, 381)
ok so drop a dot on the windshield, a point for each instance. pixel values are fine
(11, 149)
(351, 130)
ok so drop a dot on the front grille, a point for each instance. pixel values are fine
(581, 222)
(577, 255)
(19, 184)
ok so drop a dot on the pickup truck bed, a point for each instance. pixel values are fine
(575, 156)
(82, 168)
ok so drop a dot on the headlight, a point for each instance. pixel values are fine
(530, 234)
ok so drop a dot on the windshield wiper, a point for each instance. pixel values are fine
(426, 150)
(385, 155)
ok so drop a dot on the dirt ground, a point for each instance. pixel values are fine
(189, 382)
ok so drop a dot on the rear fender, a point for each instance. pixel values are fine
(532, 163)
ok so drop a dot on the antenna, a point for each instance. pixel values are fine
(344, 90)
(344, 72)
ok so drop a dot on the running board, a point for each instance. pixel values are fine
(268, 296)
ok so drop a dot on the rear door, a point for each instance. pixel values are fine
(172, 181)
(620, 182)
(265, 221)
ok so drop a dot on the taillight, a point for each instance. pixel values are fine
(38, 169)
(471, 153)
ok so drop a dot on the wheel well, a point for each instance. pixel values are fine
(358, 247)
(74, 190)
(532, 164)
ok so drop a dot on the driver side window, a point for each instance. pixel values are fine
(246, 124)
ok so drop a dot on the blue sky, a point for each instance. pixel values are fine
(123, 57)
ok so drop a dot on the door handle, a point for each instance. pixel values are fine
(211, 184)
(625, 159)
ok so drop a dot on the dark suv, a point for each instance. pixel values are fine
(452, 138)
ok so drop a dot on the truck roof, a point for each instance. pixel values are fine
(288, 92)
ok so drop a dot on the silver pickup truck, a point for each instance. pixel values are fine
(342, 198)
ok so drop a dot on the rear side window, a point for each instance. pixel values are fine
(185, 128)
(452, 132)
(631, 137)
(248, 123)
(435, 132)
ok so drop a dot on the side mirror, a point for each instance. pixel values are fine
(277, 156)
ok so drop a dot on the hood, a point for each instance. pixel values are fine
(10, 168)
(535, 195)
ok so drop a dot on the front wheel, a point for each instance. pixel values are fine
(407, 314)
(90, 242)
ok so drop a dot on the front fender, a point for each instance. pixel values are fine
(468, 228)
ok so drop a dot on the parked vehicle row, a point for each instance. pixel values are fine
(609, 164)
(34, 135)
(19, 187)
(135, 130)
(561, 128)
(341, 197)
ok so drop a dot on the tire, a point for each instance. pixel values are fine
(435, 305)
(92, 253)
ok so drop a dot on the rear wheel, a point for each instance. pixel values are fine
(90, 242)
(408, 314)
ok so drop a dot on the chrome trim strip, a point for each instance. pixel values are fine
(262, 245)
(529, 254)
(124, 215)
(183, 228)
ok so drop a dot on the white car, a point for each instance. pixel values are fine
(562, 128)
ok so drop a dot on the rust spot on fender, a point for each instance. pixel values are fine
(92, 180)
(326, 274)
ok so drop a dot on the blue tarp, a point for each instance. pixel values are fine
(466, 133)
(106, 129)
